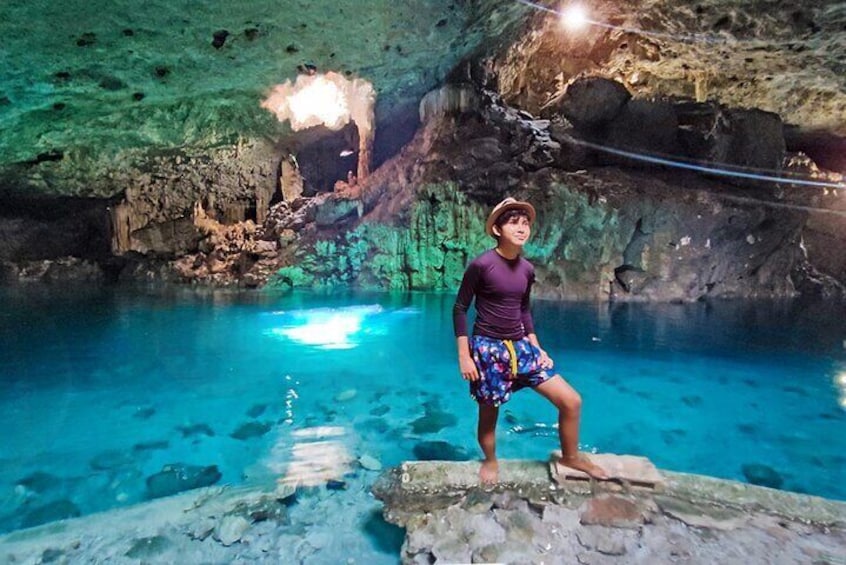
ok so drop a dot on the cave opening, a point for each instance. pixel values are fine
(334, 125)
(325, 156)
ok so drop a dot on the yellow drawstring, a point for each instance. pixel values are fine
(509, 345)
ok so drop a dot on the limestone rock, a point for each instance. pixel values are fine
(612, 511)
(178, 477)
(148, 548)
(370, 463)
(249, 430)
(700, 516)
(230, 529)
(592, 102)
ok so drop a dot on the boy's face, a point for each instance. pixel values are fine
(515, 231)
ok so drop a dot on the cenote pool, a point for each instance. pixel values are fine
(103, 389)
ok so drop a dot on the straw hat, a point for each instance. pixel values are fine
(504, 206)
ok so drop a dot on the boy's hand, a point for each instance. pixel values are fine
(545, 361)
(468, 368)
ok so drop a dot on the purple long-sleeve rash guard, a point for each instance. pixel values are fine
(502, 288)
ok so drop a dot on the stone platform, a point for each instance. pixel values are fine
(627, 470)
(543, 513)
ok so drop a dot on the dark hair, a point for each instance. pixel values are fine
(506, 216)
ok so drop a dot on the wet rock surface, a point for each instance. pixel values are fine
(529, 518)
(448, 518)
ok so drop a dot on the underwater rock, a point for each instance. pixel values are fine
(346, 395)
(148, 548)
(266, 508)
(433, 423)
(748, 429)
(40, 481)
(250, 430)
(51, 554)
(693, 401)
(440, 451)
(144, 413)
(178, 477)
(195, 430)
(370, 463)
(433, 420)
(150, 445)
(671, 437)
(378, 425)
(230, 529)
(762, 475)
(111, 459)
(380, 410)
(50, 512)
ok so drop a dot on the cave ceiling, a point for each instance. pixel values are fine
(95, 80)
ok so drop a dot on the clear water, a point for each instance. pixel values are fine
(101, 388)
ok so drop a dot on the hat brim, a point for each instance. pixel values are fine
(499, 211)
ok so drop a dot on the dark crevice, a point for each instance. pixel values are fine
(826, 149)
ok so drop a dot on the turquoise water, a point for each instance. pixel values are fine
(102, 388)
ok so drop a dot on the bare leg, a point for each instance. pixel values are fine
(486, 434)
(569, 404)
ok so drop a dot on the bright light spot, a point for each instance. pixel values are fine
(299, 461)
(840, 381)
(326, 328)
(574, 17)
(320, 100)
(329, 99)
(319, 432)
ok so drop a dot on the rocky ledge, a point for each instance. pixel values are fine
(531, 518)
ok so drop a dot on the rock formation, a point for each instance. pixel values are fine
(649, 144)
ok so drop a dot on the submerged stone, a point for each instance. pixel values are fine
(440, 451)
(51, 554)
(230, 529)
(148, 548)
(376, 424)
(144, 413)
(150, 445)
(39, 481)
(434, 419)
(111, 459)
(369, 462)
(195, 430)
(380, 410)
(50, 512)
(346, 395)
(250, 430)
(762, 475)
(178, 477)
(692, 400)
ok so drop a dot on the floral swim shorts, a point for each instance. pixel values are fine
(504, 366)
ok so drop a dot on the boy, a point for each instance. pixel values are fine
(503, 354)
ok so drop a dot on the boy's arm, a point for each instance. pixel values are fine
(465, 361)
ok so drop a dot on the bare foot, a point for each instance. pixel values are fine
(581, 463)
(489, 472)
